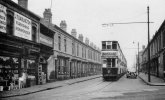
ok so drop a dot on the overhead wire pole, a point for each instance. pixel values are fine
(149, 78)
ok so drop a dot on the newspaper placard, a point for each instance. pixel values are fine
(22, 26)
(3, 18)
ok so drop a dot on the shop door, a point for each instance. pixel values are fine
(44, 69)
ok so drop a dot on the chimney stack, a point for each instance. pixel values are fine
(74, 33)
(80, 37)
(63, 25)
(87, 41)
(48, 15)
(23, 3)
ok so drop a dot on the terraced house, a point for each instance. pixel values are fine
(42, 50)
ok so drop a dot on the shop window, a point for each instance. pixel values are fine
(10, 23)
(9, 69)
(31, 67)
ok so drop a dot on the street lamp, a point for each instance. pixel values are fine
(137, 66)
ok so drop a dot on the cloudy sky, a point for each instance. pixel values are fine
(87, 17)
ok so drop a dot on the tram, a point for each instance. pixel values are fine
(114, 63)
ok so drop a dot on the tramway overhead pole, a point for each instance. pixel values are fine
(148, 23)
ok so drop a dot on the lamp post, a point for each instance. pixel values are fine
(137, 63)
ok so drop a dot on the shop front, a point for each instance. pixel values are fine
(16, 57)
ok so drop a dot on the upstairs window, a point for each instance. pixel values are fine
(10, 23)
(77, 50)
(73, 48)
(65, 45)
(34, 33)
(59, 42)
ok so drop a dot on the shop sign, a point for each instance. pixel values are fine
(46, 40)
(22, 26)
(109, 54)
(3, 18)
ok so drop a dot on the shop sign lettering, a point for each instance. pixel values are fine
(22, 26)
(46, 40)
(3, 18)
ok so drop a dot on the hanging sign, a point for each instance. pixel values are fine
(3, 18)
(22, 26)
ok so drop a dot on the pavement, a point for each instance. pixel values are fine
(44, 87)
(154, 81)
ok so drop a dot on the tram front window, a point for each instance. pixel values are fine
(109, 62)
(113, 62)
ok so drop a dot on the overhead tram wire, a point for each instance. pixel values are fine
(111, 24)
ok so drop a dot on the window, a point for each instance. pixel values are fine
(103, 45)
(73, 48)
(85, 52)
(77, 50)
(113, 62)
(109, 45)
(82, 52)
(34, 33)
(114, 45)
(59, 42)
(10, 23)
(65, 45)
(163, 38)
(109, 62)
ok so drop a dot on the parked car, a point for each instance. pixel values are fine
(131, 74)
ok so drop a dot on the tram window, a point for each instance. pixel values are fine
(114, 45)
(103, 45)
(113, 62)
(109, 62)
(108, 46)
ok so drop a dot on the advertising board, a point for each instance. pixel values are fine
(22, 26)
(3, 18)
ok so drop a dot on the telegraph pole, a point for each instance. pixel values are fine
(149, 78)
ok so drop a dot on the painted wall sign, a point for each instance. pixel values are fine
(3, 18)
(22, 26)
(46, 40)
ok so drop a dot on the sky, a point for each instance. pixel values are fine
(87, 17)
